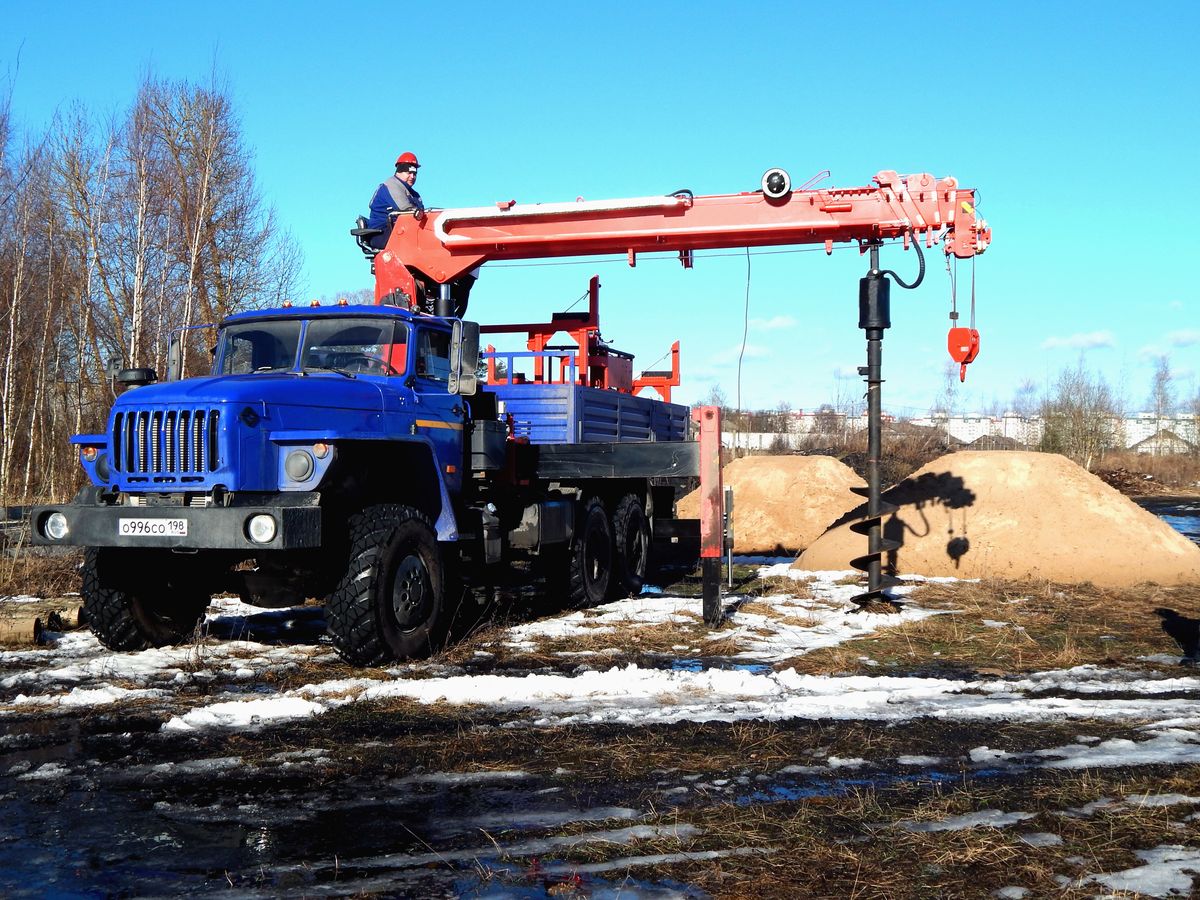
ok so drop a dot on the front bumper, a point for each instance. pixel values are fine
(298, 525)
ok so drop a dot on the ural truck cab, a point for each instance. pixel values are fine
(250, 479)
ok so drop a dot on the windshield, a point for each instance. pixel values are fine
(259, 347)
(368, 346)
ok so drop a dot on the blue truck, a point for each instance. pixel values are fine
(351, 453)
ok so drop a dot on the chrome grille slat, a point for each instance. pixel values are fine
(166, 443)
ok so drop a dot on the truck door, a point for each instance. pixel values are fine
(439, 414)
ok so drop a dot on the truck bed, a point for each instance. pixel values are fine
(574, 414)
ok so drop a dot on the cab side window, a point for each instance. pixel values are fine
(433, 356)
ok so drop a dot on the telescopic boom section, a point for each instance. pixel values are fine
(445, 244)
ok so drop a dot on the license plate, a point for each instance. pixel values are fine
(152, 527)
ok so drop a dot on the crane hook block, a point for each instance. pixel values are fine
(963, 344)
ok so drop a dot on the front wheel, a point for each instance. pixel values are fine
(130, 603)
(390, 603)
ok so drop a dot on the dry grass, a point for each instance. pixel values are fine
(1180, 471)
(38, 575)
(1045, 626)
(990, 627)
(906, 452)
(856, 845)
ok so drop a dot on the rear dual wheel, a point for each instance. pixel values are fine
(631, 546)
(608, 556)
(590, 557)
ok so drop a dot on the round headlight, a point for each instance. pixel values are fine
(56, 527)
(261, 528)
(298, 465)
(102, 469)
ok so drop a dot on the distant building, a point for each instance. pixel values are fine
(1163, 443)
(1143, 432)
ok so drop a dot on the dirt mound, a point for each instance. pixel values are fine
(1016, 515)
(783, 503)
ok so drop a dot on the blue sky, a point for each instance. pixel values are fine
(1076, 122)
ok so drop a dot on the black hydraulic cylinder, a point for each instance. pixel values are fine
(874, 302)
(444, 306)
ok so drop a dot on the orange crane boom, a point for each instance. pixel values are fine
(443, 245)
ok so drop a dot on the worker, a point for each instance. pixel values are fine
(397, 195)
(394, 196)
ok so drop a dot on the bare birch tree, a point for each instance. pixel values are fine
(1080, 415)
(111, 234)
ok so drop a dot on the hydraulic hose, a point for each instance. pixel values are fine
(920, 271)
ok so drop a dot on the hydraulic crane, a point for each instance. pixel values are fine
(426, 253)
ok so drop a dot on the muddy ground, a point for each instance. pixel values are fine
(956, 776)
(986, 739)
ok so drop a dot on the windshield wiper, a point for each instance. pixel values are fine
(341, 372)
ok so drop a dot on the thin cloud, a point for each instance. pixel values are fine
(1184, 338)
(775, 323)
(1084, 340)
(1151, 351)
(753, 351)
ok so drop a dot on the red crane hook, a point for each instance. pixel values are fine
(963, 344)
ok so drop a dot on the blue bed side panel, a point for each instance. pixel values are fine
(573, 414)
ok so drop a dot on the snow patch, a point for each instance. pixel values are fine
(1168, 870)
(986, 818)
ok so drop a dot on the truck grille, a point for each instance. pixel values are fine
(168, 445)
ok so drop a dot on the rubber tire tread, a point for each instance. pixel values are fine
(109, 611)
(161, 612)
(625, 581)
(352, 618)
(578, 595)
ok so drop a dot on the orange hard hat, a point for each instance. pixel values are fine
(407, 159)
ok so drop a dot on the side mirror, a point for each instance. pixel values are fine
(174, 356)
(464, 358)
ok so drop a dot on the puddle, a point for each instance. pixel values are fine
(201, 823)
(1181, 513)
(502, 882)
(703, 664)
(1188, 526)
(295, 625)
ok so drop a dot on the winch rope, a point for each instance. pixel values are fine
(745, 335)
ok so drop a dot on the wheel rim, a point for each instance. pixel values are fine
(411, 593)
(595, 555)
(635, 546)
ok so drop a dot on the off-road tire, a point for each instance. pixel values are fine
(125, 616)
(631, 547)
(369, 617)
(590, 557)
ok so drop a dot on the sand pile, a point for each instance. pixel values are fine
(1017, 515)
(783, 503)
